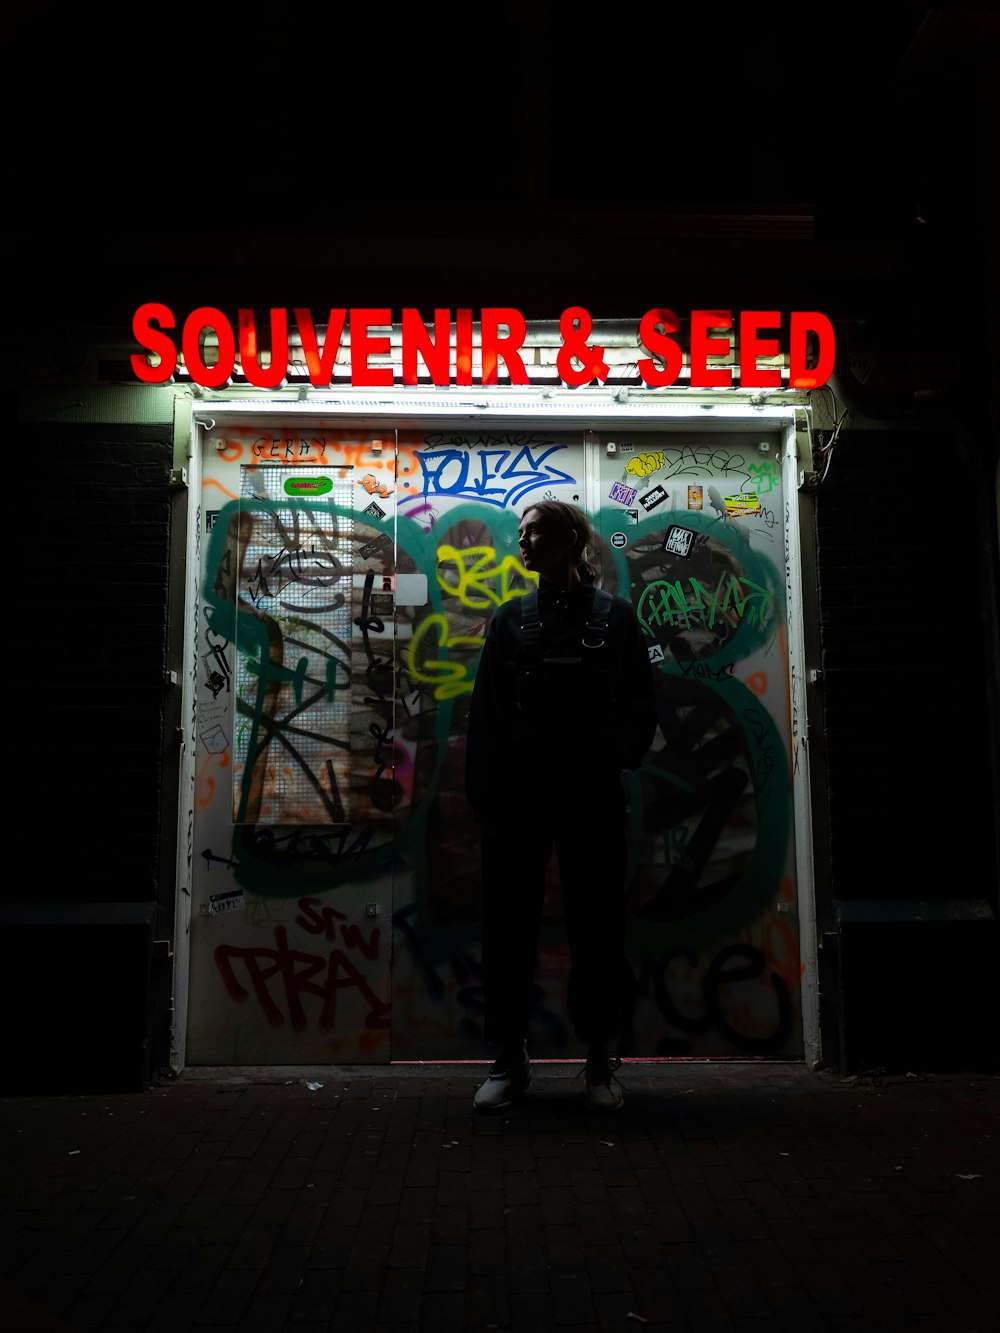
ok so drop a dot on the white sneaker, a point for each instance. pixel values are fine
(604, 1092)
(505, 1082)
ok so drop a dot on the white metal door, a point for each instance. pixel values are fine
(347, 582)
(291, 896)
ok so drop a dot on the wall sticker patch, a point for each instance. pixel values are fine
(679, 540)
(624, 495)
(742, 505)
(308, 485)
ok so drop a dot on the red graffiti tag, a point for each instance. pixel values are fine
(300, 974)
(320, 920)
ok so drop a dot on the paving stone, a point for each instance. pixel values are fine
(86, 1313)
(315, 1297)
(748, 1198)
(283, 1271)
(229, 1298)
(442, 1312)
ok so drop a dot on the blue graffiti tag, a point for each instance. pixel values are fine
(503, 480)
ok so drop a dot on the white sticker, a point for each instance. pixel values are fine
(411, 589)
(233, 901)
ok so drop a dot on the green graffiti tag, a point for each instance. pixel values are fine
(435, 655)
(666, 603)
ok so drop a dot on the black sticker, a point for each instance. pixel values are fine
(679, 540)
(652, 498)
(379, 544)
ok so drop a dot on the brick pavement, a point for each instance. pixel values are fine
(741, 1197)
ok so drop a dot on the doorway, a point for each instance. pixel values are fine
(346, 578)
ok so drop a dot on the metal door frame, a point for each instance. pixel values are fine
(554, 409)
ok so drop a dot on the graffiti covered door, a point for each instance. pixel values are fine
(292, 838)
(347, 584)
(689, 527)
(461, 495)
(692, 528)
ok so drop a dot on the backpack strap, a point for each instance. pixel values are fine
(594, 631)
(531, 620)
(593, 634)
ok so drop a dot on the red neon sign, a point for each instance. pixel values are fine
(809, 338)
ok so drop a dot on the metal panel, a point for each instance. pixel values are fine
(287, 966)
(293, 811)
(691, 528)
(461, 495)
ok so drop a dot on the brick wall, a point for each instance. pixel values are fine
(92, 599)
(904, 586)
(904, 668)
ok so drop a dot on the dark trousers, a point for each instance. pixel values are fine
(590, 844)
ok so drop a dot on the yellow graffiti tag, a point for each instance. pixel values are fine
(643, 464)
(474, 570)
(450, 679)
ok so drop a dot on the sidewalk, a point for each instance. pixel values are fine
(730, 1197)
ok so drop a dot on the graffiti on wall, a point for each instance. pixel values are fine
(709, 810)
(283, 980)
(502, 470)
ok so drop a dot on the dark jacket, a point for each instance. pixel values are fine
(552, 714)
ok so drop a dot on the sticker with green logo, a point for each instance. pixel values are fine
(308, 485)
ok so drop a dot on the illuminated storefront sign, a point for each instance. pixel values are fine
(716, 343)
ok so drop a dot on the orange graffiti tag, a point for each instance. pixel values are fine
(230, 495)
(205, 782)
(373, 486)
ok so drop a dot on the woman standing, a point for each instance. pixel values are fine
(563, 701)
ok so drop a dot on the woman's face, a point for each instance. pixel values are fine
(546, 549)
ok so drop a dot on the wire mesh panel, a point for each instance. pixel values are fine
(291, 752)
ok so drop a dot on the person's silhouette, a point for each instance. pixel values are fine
(563, 701)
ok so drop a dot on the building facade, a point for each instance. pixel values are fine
(273, 600)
